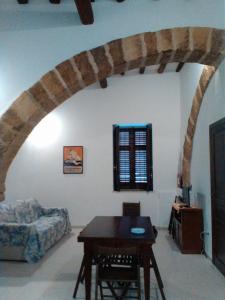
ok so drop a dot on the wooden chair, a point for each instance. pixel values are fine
(131, 209)
(153, 264)
(117, 271)
(80, 278)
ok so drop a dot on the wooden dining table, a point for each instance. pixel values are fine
(116, 232)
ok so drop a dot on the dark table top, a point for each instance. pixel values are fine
(117, 228)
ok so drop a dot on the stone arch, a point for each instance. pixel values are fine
(204, 81)
(188, 44)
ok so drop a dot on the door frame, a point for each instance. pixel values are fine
(212, 127)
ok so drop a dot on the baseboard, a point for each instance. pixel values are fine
(78, 226)
(162, 227)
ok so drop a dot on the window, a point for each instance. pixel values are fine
(132, 157)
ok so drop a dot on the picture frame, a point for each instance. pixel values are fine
(72, 159)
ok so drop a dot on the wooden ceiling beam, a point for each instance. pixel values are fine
(161, 68)
(142, 70)
(103, 83)
(22, 1)
(55, 1)
(51, 1)
(85, 11)
(179, 66)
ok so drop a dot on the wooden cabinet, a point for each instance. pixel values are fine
(187, 226)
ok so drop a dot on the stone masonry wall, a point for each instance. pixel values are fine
(188, 44)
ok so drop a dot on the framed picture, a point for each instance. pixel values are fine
(73, 159)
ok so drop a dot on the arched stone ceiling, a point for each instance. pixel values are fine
(188, 44)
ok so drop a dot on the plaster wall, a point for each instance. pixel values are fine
(212, 110)
(189, 78)
(86, 119)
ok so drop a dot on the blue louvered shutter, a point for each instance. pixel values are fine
(133, 157)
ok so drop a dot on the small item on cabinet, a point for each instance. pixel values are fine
(137, 230)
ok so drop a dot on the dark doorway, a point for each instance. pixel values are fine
(217, 156)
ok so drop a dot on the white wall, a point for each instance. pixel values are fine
(189, 79)
(213, 109)
(87, 119)
(36, 37)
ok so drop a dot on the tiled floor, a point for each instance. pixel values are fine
(185, 277)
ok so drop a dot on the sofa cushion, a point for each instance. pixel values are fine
(7, 213)
(36, 238)
(50, 229)
(27, 211)
(35, 208)
(22, 212)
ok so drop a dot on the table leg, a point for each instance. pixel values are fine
(87, 271)
(146, 266)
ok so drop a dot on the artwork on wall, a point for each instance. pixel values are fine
(73, 159)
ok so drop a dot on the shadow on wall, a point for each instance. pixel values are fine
(200, 201)
(203, 202)
(22, 21)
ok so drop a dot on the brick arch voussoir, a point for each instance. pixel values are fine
(187, 44)
(206, 77)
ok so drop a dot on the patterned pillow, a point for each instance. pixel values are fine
(7, 213)
(35, 208)
(22, 211)
(27, 211)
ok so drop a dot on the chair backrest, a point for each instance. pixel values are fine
(131, 209)
(115, 250)
(116, 255)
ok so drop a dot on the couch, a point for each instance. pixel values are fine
(28, 230)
